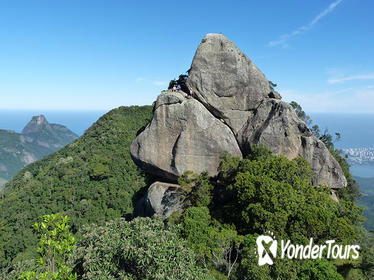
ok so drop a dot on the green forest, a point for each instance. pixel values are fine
(367, 200)
(92, 179)
(69, 216)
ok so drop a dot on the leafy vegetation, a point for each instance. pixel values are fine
(300, 113)
(181, 81)
(95, 182)
(198, 187)
(270, 193)
(140, 249)
(274, 194)
(55, 245)
(92, 179)
(352, 191)
(216, 245)
(367, 200)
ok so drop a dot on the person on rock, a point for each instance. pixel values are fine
(191, 93)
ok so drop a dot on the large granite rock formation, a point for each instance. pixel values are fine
(226, 81)
(162, 199)
(275, 125)
(233, 108)
(183, 135)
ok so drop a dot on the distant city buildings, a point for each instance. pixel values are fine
(360, 155)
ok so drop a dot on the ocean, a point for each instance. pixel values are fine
(357, 130)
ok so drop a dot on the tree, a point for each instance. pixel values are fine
(272, 85)
(215, 244)
(198, 187)
(272, 193)
(326, 137)
(55, 244)
(140, 249)
(181, 81)
(92, 179)
(300, 113)
(368, 256)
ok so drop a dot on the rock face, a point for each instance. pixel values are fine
(183, 135)
(35, 124)
(226, 81)
(162, 199)
(234, 107)
(275, 125)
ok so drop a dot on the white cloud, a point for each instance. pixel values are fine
(353, 101)
(160, 83)
(140, 79)
(351, 78)
(283, 39)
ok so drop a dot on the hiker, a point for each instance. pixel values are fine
(191, 92)
(174, 88)
(179, 88)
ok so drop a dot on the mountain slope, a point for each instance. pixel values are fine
(367, 199)
(2, 183)
(38, 139)
(48, 134)
(91, 180)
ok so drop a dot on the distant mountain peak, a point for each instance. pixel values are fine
(38, 139)
(40, 119)
(35, 124)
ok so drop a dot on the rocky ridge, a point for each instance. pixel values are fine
(232, 108)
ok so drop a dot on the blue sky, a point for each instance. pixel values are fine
(98, 55)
